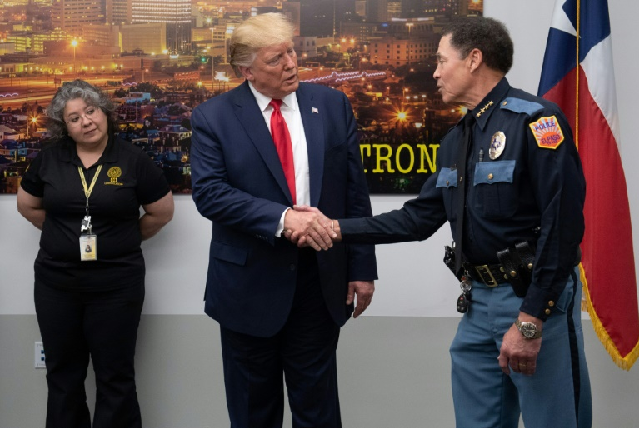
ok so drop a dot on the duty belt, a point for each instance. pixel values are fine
(491, 275)
(515, 266)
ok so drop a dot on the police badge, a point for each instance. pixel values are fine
(497, 145)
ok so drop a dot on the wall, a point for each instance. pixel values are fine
(393, 363)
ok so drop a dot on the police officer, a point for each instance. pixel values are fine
(511, 186)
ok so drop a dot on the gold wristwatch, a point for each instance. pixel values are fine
(528, 329)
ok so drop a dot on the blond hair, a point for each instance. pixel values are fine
(267, 29)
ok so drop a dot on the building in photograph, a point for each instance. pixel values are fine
(377, 10)
(202, 34)
(176, 14)
(21, 40)
(361, 8)
(399, 52)
(71, 15)
(7, 47)
(292, 11)
(150, 38)
(411, 27)
(102, 35)
(40, 38)
(393, 9)
(317, 18)
(305, 47)
(119, 11)
(449, 8)
(362, 31)
(220, 36)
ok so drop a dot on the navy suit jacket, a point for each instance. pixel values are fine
(239, 184)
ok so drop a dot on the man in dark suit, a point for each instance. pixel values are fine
(280, 308)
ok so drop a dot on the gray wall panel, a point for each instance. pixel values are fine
(393, 372)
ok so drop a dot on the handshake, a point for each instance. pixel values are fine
(308, 227)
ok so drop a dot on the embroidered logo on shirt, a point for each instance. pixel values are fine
(547, 132)
(113, 173)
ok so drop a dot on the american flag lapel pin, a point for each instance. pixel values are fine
(314, 110)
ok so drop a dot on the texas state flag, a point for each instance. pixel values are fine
(578, 75)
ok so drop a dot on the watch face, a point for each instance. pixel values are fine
(528, 329)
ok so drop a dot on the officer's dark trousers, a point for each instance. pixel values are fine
(304, 350)
(103, 325)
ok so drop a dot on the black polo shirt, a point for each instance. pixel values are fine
(128, 179)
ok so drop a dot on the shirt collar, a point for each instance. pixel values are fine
(485, 108)
(110, 154)
(289, 101)
(70, 154)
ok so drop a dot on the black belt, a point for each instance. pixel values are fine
(491, 275)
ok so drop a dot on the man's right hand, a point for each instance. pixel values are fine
(518, 353)
(307, 226)
(317, 231)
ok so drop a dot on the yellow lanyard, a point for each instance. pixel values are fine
(88, 190)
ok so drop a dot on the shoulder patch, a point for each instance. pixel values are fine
(518, 105)
(547, 132)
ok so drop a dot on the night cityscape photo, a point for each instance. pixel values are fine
(159, 59)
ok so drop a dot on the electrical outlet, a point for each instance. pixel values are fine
(39, 356)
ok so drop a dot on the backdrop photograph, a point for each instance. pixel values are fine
(158, 66)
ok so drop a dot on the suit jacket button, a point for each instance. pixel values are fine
(292, 267)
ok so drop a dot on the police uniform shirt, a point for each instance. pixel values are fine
(532, 191)
(128, 179)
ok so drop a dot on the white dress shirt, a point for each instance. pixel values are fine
(292, 116)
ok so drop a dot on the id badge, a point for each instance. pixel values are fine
(88, 248)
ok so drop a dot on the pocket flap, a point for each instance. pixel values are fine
(494, 172)
(447, 178)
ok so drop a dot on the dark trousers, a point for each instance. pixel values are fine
(103, 325)
(304, 350)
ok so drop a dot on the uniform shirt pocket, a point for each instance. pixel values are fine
(495, 194)
(447, 178)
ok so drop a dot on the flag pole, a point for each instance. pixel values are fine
(578, 39)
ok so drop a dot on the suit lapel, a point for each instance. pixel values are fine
(250, 116)
(312, 119)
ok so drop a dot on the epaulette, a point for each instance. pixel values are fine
(518, 105)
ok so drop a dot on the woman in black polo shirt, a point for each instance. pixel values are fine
(84, 191)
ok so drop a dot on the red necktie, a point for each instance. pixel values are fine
(284, 145)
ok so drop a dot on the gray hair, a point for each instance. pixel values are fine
(72, 90)
(267, 29)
